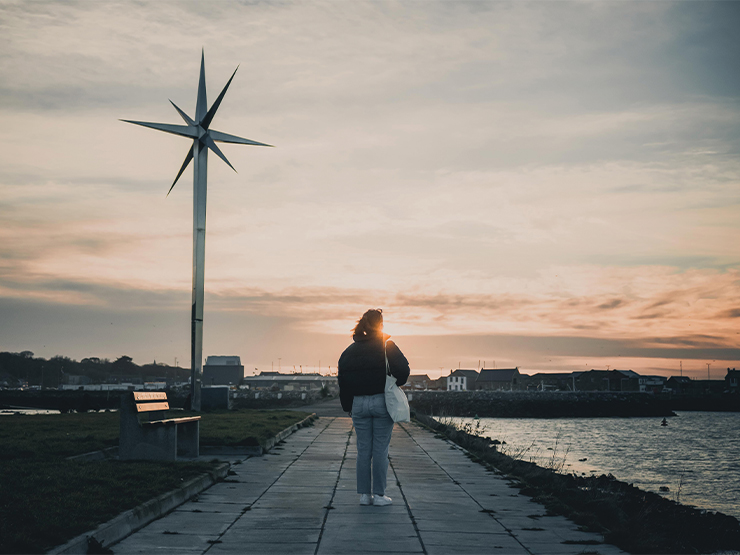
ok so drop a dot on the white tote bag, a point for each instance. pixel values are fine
(395, 399)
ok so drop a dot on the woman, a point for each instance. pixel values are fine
(361, 390)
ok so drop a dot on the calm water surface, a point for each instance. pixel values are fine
(5, 412)
(697, 456)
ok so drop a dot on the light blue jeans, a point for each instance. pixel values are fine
(373, 426)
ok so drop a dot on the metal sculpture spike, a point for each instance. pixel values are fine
(203, 139)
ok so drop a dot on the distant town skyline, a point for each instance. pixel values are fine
(553, 186)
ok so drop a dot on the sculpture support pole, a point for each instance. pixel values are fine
(200, 173)
(203, 137)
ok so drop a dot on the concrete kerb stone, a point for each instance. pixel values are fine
(138, 517)
(270, 443)
(257, 450)
(134, 519)
(102, 455)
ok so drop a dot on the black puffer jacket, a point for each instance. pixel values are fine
(361, 369)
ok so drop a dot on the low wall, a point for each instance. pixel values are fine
(250, 399)
(84, 401)
(65, 401)
(546, 404)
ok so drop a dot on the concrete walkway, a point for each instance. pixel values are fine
(301, 499)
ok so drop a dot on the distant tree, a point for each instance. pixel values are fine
(124, 365)
(26, 354)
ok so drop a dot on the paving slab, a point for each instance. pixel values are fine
(201, 507)
(158, 542)
(271, 548)
(192, 523)
(302, 499)
(483, 523)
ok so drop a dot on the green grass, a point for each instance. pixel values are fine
(46, 503)
(46, 500)
(59, 436)
(244, 427)
(56, 436)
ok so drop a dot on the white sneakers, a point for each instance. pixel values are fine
(378, 500)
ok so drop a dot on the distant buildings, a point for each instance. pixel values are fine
(731, 380)
(499, 379)
(608, 380)
(560, 381)
(651, 384)
(510, 379)
(417, 382)
(222, 370)
(275, 381)
(462, 380)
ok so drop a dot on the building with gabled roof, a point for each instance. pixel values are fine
(506, 379)
(732, 380)
(417, 382)
(462, 380)
(678, 384)
(556, 381)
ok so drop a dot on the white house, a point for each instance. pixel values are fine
(462, 380)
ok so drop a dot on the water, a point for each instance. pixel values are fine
(4, 412)
(697, 456)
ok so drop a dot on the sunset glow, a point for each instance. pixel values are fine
(553, 186)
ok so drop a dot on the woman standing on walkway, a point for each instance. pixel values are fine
(361, 390)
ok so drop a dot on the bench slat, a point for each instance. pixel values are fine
(150, 396)
(148, 407)
(172, 421)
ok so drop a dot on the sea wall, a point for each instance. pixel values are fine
(84, 401)
(545, 404)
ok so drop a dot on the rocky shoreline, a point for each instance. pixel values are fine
(628, 517)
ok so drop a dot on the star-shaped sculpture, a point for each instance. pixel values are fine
(204, 139)
(198, 129)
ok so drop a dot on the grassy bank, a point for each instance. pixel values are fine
(634, 520)
(45, 503)
(46, 500)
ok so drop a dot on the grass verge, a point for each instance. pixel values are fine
(634, 520)
(46, 500)
(45, 504)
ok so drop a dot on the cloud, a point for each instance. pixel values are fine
(730, 313)
(505, 169)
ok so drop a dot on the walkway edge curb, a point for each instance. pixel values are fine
(280, 436)
(134, 519)
(138, 517)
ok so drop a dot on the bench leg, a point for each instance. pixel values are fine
(156, 443)
(188, 440)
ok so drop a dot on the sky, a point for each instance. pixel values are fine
(548, 185)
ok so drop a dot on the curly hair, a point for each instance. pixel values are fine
(371, 323)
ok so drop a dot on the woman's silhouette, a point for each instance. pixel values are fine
(361, 390)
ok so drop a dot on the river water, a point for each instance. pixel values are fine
(6, 412)
(696, 456)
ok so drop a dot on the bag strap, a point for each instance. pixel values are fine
(387, 366)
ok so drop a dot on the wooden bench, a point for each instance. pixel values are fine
(147, 434)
